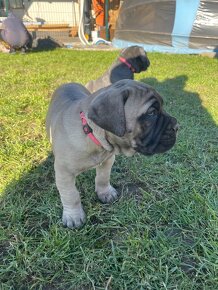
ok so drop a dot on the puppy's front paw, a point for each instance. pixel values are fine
(108, 196)
(73, 218)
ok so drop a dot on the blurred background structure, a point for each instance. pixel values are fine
(62, 19)
(175, 26)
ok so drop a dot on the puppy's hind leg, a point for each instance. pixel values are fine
(106, 193)
(73, 213)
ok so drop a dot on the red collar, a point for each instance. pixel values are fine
(87, 130)
(123, 60)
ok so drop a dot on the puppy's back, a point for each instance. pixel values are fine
(62, 99)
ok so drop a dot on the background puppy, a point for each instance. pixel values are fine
(87, 131)
(15, 34)
(132, 60)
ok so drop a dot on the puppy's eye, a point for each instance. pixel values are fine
(152, 112)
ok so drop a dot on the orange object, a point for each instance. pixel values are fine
(98, 7)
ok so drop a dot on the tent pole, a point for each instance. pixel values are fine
(106, 19)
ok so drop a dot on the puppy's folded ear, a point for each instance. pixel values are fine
(107, 109)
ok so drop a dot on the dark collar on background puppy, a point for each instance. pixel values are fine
(123, 60)
(88, 130)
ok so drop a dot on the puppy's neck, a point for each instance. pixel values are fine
(99, 133)
(119, 71)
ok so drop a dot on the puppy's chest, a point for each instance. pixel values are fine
(93, 160)
(97, 158)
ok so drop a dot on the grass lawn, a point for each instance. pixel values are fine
(162, 233)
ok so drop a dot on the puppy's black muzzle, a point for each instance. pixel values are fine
(160, 138)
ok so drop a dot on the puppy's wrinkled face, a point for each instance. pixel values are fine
(137, 57)
(133, 112)
(155, 130)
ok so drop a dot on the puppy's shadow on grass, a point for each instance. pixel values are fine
(45, 44)
(26, 201)
(185, 105)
